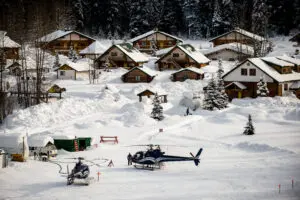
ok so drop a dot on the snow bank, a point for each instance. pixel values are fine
(254, 147)
(13, 143)
(133, 115)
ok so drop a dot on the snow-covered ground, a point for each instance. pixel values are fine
(233, 166)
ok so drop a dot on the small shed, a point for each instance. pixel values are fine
(39, 144)
(146, 93)
(138, 75)
(188, 73)
(71, 70)
(235, 90)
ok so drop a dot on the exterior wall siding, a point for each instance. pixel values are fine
(183, 75)
(130, 77)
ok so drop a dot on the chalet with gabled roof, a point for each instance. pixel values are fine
(158, 38)
(182, 56)
(10, 47)
(230, 52)
(241, 81)
(138, 75)
(73, 71)
(188, 73)
(61, 41)
(240, 36)
(121, 55)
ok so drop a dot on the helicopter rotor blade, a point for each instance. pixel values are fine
(192, 154)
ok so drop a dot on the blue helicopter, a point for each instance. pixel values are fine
(154, 157)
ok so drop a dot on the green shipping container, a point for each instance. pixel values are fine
(66, 144)
(84, 142)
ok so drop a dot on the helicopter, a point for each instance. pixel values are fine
(80, 171)
(154, 157)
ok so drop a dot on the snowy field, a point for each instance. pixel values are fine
(232, 166)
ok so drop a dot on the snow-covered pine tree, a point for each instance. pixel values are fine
(249, 128)
(56, 62)
(157, 111)
(72, 54)
(211, 101)
(221, 95)
(262, 89)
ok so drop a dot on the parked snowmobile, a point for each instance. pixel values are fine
(80, 171)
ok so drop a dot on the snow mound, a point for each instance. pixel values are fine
(133, 115)
(293, 114)
(258, 148)
(46, 115)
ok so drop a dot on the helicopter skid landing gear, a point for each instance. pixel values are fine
(147, 167)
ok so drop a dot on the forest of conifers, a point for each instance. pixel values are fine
(116, 19)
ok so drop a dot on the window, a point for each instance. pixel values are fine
(252, 72)
(137, 78)
(175, 55)
(144, 43)
(62, 73)
(248, 64)
(244, 72)
(114, 54)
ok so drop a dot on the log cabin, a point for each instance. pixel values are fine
(230, 52)
(61, 41)
(159, 39)
(240, 36)
(10, 47)
(121, 55)
(182, 56)
(188, 73)
(241, 81)
(138, 75)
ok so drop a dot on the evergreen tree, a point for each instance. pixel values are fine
(262, 89)
(221, 95)
(139, 23)
(249, 128)
(260, 17)
(56, 62)
(157, 111)
(211, 101)
(72, 54)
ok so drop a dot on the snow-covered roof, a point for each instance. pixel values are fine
(258, 62)
(238, 84)
(63, 137)
(243, 32)
(6, 42)
(289, 59)
(195, 54)
(11, 140)
(193, 69)
(58, 34)
(295, 85)
(39, 140)
(153, 32)
(94, 48)
(132, 52)
(162, 52)
(237, 47)
(144, 69)
(277, 61)
(78, 66)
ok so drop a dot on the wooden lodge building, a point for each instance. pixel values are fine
(188, 73)
(182, 56)
(138, 75)
(238, 35)
(121, 55)
(230, 52)
(10, 47)
(279, 75)
(160, 39)
(61, 41)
